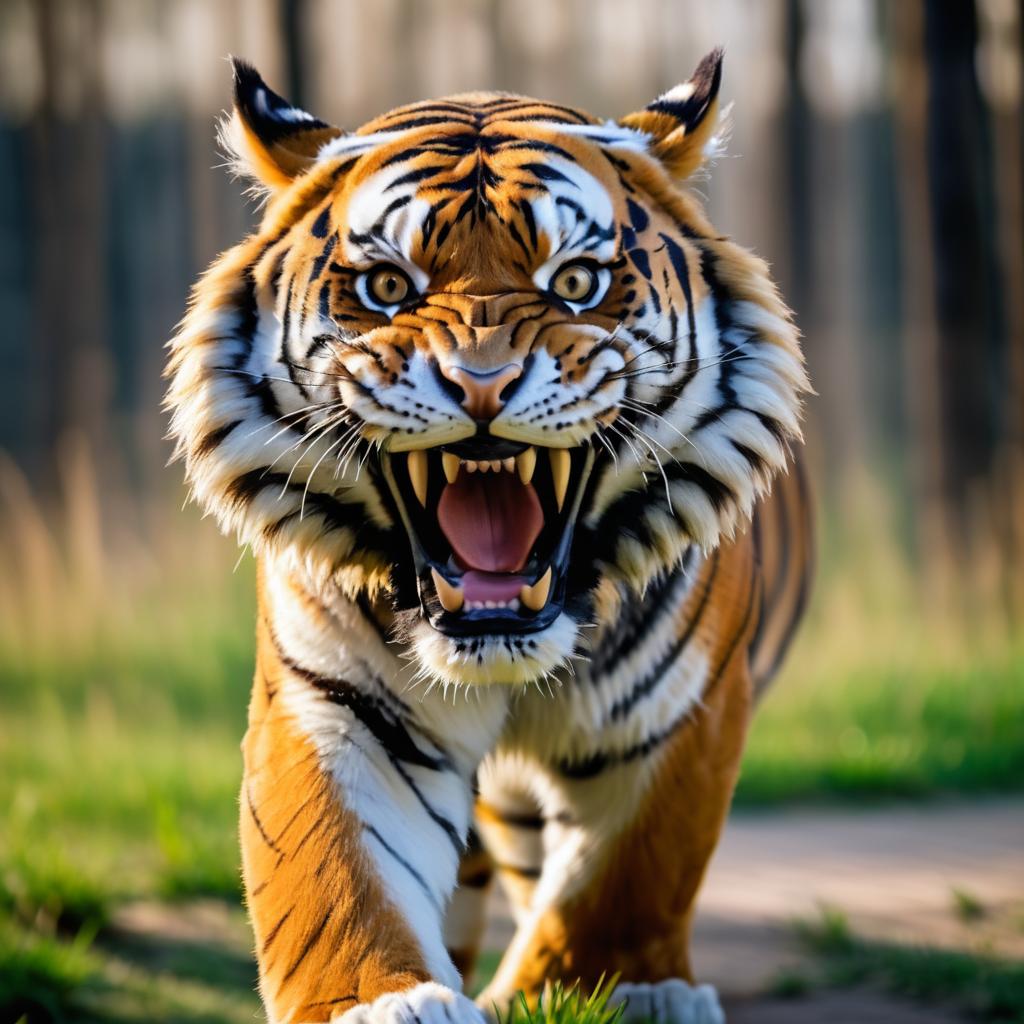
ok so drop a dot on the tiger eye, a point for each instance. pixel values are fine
(388, 286)
(575, 282)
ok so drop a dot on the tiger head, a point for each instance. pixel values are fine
(486, 363)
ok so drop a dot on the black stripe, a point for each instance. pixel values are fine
(647, 683)
(531, 873)
(321, 260)
(272, 934)
(259, 824)
(212, 439)
(320, 227)
(313, 939)
(598, 762)
(405, 864)
(385, 727)
(389, 732)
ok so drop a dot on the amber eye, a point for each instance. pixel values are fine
(575, 282)
(388, 286)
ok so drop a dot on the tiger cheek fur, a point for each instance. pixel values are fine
(499, 414)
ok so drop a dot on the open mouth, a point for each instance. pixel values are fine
(490, 523)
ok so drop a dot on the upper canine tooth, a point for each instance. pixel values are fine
(418, 474)
(450, 464)
(560, 466)
(451, 597)
(525, 463)
(536, 597)
(508, 464)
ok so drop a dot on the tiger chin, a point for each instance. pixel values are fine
(511, 430)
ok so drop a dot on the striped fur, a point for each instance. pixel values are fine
(386, 778)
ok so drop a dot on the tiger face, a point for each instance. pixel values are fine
(484, 363)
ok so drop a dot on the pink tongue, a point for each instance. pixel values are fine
(491, 520)
(491, 586)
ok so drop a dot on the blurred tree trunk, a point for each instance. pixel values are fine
(921, 339)
(959, 191)
(293, 42)
(1008, 137)
(951, 312)
(72, 368)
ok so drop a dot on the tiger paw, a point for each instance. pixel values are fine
(669, 1002)
(426, 1003)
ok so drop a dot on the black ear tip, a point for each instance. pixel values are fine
(246, 79)
(708, 76)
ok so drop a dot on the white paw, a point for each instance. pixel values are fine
(668, 1002)
(426, 1003)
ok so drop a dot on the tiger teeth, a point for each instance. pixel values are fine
(450, 463)
(525, 464)
(536, 597)
(418, 474)
(451, 468)
(522, 464)
(450, 596)
(512, 605)
(561, 463)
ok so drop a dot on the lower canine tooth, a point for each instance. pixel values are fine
(560, 466)
(450, 464)
(451, 597)
(525, 463)
(418, 474)
(536, 597)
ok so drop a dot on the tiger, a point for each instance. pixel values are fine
(513, 434)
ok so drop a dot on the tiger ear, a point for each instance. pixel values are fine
(267, 138)
(682, 121)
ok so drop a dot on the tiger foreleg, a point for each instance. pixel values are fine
(625, 849)
(350, 851)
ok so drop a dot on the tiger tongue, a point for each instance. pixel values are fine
(491, 520)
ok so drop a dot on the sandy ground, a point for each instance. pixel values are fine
(894, 873)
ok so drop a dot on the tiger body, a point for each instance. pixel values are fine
(560, 695)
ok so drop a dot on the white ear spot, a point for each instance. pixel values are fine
(677, 94)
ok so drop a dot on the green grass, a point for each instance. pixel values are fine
(41, 978)
(917, 729)
(44, 980)
(988, 988)
(561, 1005)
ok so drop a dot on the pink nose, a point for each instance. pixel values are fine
(482, 388)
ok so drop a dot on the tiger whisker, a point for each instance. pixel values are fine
(309, 478)
(647, 442)
(636, 455)
(331, 421)
(628, 403)
(323, 429)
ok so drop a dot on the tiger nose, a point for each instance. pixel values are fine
(482, 389)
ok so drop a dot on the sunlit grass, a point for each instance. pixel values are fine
(566, 1005)
(990, 988)
(901, 730)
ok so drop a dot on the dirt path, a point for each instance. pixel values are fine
(894, 873)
